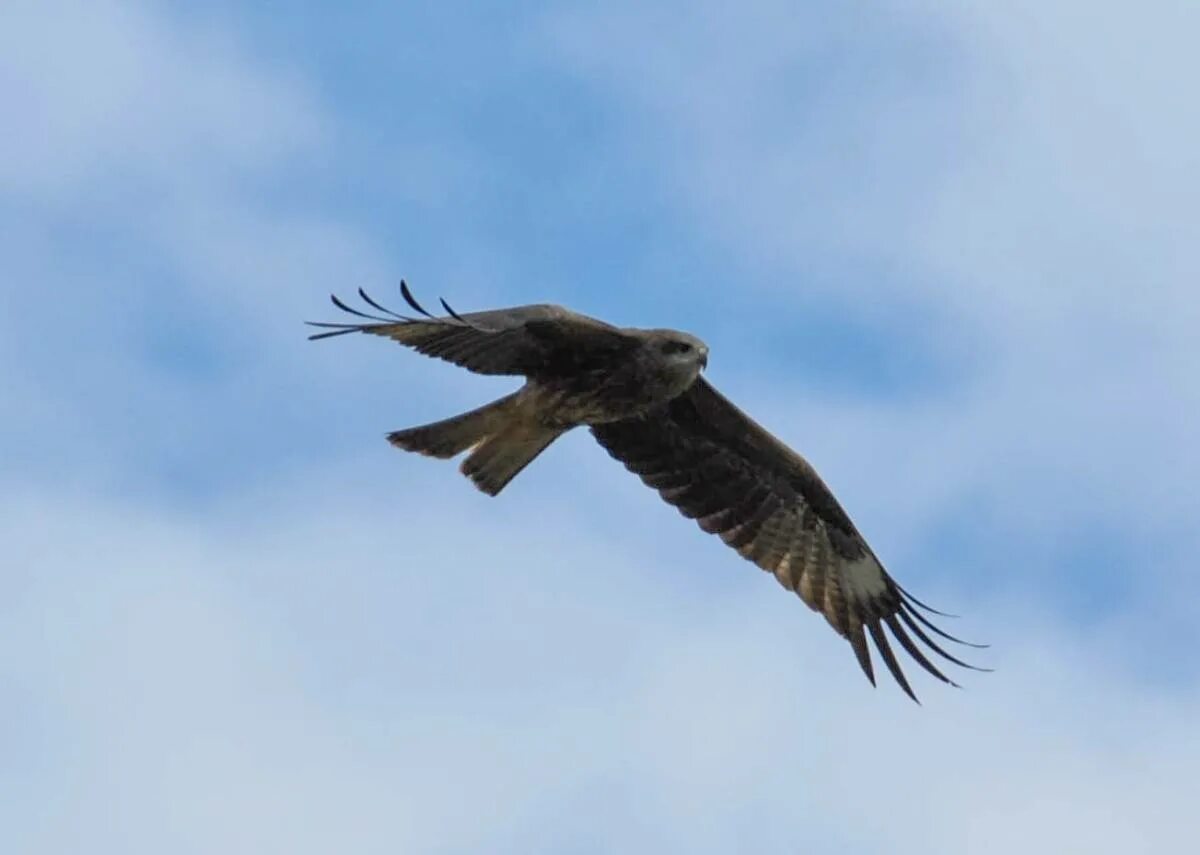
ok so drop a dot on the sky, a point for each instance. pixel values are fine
(949, 253)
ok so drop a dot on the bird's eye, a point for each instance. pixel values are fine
(676, 347)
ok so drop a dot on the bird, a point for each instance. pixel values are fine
(643, 396)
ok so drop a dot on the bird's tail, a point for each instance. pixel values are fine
(502, 442)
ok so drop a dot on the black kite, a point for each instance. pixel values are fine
(641, 394)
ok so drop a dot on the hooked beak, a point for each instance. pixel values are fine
(703, 359)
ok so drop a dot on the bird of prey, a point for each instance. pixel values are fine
(642, 395)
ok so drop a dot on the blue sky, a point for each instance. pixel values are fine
(951, 256)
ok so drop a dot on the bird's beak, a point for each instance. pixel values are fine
(703, 360)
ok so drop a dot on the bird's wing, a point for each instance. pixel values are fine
(538, 340)
(718, 466)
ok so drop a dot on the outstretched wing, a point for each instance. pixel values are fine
(537, 341)
(721, 468)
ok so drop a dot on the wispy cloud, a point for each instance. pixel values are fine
(312, 676)
(949, 255)
(1021, 200)
(114, 94)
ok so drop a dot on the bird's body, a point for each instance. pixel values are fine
(642, 395)
(620, 384)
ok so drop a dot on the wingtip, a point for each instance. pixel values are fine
(908, 609)
(411, 300)
(888, 655)
(907, 615)
(331, 330)
(858, 643)
(375, 304)
(914, 601)
(450, 311)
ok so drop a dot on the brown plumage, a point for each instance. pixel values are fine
(641, 394)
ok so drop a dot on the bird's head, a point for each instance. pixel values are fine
(681, 354)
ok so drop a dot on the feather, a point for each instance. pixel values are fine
(716, 464)
(412, 301)
(367, 299)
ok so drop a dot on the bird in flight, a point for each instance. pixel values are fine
(642, 394)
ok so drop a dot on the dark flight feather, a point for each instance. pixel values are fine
(704, 454)
(534, 341)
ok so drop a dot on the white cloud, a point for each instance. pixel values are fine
(1026, 175)
(111, 92)
(340, 672)
(157, 277)
(782, 126)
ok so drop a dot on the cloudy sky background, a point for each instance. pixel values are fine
(951, 255)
